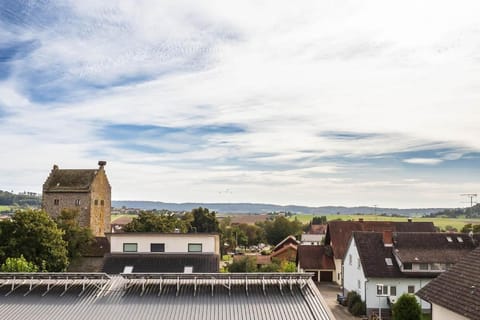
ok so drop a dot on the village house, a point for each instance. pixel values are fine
(85, 190)
(339, 233)
(317, 259)
(455, 294)
(162, 252)
(381, 266)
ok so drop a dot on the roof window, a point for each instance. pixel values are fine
(389, 261)
(449, 239)
(460, 239)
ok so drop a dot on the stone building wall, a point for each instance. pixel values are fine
(77, 200)
(100, 204)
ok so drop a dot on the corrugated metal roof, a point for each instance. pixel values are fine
(184, 302)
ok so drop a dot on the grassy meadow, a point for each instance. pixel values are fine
(441, 223)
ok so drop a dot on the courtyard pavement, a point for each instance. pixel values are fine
(329, 292)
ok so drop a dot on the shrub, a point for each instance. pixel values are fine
(407, 308)
(353, 298)
(358, 308)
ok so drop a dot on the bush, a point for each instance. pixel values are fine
(352, 298)
(407, 308)
(358, 308)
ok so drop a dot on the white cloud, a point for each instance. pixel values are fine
(427, 161)
(285, 74)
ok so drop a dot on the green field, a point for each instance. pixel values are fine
(442, 223)
(4, 208)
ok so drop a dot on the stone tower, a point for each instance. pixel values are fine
(85, 190)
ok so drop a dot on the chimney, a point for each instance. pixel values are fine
(55, 167)
(102, 163)
(360, 219)
(409, 219)
(387, 238)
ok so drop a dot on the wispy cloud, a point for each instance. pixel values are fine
(309, 104)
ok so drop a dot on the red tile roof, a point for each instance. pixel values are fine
(339, 232)
(315, 257)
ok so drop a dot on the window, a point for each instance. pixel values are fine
(188, 269)
(96, 202)
(436, 266)
(130, 247)
(449, 239)
(77, 202)
(350, 259)
(389, 262)
(423, 266)
(407, 266)
(157, 247)
(359, 284)
(411, 289)
(56, 202)
(382, 290)
(194, 247)
(460, 239)
(359, 264)
(102, 203)
(393, 291)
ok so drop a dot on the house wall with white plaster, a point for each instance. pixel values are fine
(354, 277)
(174, 243)
(441, 313)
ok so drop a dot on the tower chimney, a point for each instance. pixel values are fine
(387, 238)
(102, 163)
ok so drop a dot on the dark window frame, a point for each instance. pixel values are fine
(158, 245)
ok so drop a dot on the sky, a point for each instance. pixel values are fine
(310, 103)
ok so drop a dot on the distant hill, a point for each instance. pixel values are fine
(239, 208)
(20, 199)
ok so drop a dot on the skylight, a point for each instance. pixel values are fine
(459, 239)
(449, 239)
(389, 261)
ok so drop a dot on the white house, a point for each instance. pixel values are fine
(153, 242)
(162, 252)
(383, 266)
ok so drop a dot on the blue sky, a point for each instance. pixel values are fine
(321, 103)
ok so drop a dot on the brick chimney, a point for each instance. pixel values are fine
(409, 219)
(360, 219)
(102, 163)
(387, 238)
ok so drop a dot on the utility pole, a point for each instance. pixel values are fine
(471, 196)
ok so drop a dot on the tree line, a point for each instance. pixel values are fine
(10, 199)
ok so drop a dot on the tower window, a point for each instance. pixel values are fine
(77, 202)
(56, 202)
(96, 202)
(102, 202)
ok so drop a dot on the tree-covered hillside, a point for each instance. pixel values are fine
(10, 199)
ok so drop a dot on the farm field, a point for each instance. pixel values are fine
(442, 223)
(4, 208)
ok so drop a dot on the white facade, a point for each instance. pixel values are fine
(337, 274)
(170, 242)
(312, 239)
(441, 313)
(355, 280)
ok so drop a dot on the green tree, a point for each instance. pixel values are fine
(148, 221)
(78, 238)
(469, 227)
(204, 220)
(319, 220)
(407, 308)
(280, 228)
(246, 264)
(33, 234)
(18, 265)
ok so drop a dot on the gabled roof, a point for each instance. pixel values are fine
(373, 253)
(71, 180)
(458, 289)
(339, 232)
(317, 229)
(161, 262)
(427, 247)
(284, 248)
(287, 240)
(314, 257)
